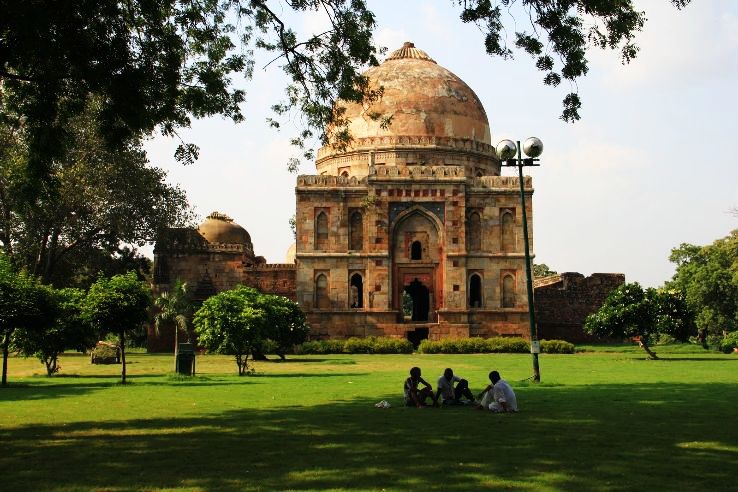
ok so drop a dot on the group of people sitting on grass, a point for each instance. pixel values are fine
(497, 397)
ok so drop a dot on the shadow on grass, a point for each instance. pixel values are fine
(565, 438)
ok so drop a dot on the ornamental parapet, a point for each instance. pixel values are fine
(329, 181)
(228, 248)
(274, 266)
(502, 183)
(409, 141)
(416, 172)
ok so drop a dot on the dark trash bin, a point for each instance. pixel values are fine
(186, 359)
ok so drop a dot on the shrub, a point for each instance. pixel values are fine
(474, 345)
(729, 342)
(556, 347)
(354, 345)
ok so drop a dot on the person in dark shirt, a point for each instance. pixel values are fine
(415, 397)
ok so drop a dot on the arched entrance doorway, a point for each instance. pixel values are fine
(416, 257)
(420, 298)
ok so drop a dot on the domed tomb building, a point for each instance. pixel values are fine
(411, 231)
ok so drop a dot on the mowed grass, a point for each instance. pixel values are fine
(598, 421)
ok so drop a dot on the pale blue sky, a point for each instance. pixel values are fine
(649, 166)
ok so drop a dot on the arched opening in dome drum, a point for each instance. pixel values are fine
(475, 291)
(357, 291)
(345, 174)
(416, 251)
(420, 299)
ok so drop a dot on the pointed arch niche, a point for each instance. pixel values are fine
(474, 231)
(356, 291)
(507, 227)
(356, 231)
(321, 229)
(475, 290)
(322, 301)
(508, 290)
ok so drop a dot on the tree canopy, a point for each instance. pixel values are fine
(633, 312)
(64, 329)
(70, 228)
(157, 65)
(119, 305)
(23, 304)
(239, 322)
(707, 276)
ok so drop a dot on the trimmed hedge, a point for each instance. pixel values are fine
(353, 345)
(557, 347)
(475, 345)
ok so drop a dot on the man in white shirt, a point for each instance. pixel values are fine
(449, 394)
(498, 396)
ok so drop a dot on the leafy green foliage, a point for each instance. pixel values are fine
(230, 323)
(242, 321)
(632, 312)
(707, 276)
(174, 308)
(557, 347)
(70, 228)
(542, 270)
(566, 29)
(474, 345)
(729, 342)
(159, 64)
(119, 305)
(23, 304)
(354, 345)
(64, 329)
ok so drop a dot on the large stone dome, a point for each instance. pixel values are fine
(429, 107)
(220, 229)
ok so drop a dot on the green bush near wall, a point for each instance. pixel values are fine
(557, 347)
(353, 345)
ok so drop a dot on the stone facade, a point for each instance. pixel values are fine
(414, 209)
(216, 256)
(410, 231)
(562, 303)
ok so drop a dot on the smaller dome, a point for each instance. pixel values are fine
(218, 228)
(290, 256)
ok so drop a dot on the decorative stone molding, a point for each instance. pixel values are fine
(309, 180)
(417, 172)
(501, 182)
(409, 141)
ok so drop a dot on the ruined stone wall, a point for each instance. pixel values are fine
(278, 279)
(563, 302)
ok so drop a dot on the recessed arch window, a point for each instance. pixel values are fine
(321, 230)
(356, 231)
(508, 291)
(416, 251)
(356, 299)
(321, 292)
(345, 174)
(508, 231)
(474, 232)
(475, 291)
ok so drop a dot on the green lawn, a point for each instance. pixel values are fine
(598, 421)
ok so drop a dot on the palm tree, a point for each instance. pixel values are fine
(174, 307)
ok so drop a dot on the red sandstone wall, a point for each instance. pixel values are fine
(562, 307)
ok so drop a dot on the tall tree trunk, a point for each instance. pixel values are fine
(651, 355)
(122, 340)
(6, 345)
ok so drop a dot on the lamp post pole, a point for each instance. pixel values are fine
(506, 151)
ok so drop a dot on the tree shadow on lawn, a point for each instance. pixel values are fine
(607, 437)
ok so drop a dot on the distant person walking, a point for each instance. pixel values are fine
(498, 396)
(415, 397)
(450, 394)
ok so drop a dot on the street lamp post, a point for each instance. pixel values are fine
(507, 151)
